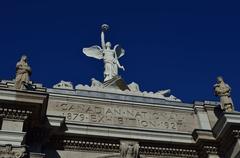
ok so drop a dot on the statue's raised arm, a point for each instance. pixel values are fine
(104, 28)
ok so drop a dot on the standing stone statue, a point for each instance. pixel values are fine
(23, 72)
(110, 56)
(223, 90)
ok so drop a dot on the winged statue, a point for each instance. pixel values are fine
(109, 56)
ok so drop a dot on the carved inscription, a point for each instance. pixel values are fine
(123, 115)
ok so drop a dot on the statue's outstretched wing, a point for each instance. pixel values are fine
(94, 52)
(119, 51)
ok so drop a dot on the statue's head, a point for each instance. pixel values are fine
(24, 58)
(108, 44)
(105, 27)
(219, 79)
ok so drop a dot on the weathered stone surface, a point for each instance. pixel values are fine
(23, 72)
(129, 149)
(79, 154)
(9, 151)
(12, 125)
(98, 124)
(223, 90)
(64, 85)
(123, 114)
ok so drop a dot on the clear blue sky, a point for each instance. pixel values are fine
(181, 45)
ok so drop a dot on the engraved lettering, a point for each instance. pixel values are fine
(144, 123)
(89, 110)
(153, 124)
(120, 120)
(93, 118)
(124, 115)
(117, 111)
(130, 113)
(109, 112)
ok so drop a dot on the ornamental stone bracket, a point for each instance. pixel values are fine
(226, 131)
(9, 151)
(206, 143)
(223, 139)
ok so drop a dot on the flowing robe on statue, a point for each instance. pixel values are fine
(110, 58)
(223, 91)
(23, 71)
(110, 65)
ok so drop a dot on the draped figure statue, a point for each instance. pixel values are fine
(223, 90)
(23, 72)
(110, 56)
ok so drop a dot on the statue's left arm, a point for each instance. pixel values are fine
(119, 65)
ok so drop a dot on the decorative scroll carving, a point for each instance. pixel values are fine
(96, 83)
(8, 151)
(134, 87)
(63, 85)
(134, 90)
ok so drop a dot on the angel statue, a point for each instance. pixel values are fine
(110, 56)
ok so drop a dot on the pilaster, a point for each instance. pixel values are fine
(202, 115)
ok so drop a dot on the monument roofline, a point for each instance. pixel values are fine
(119, 96)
